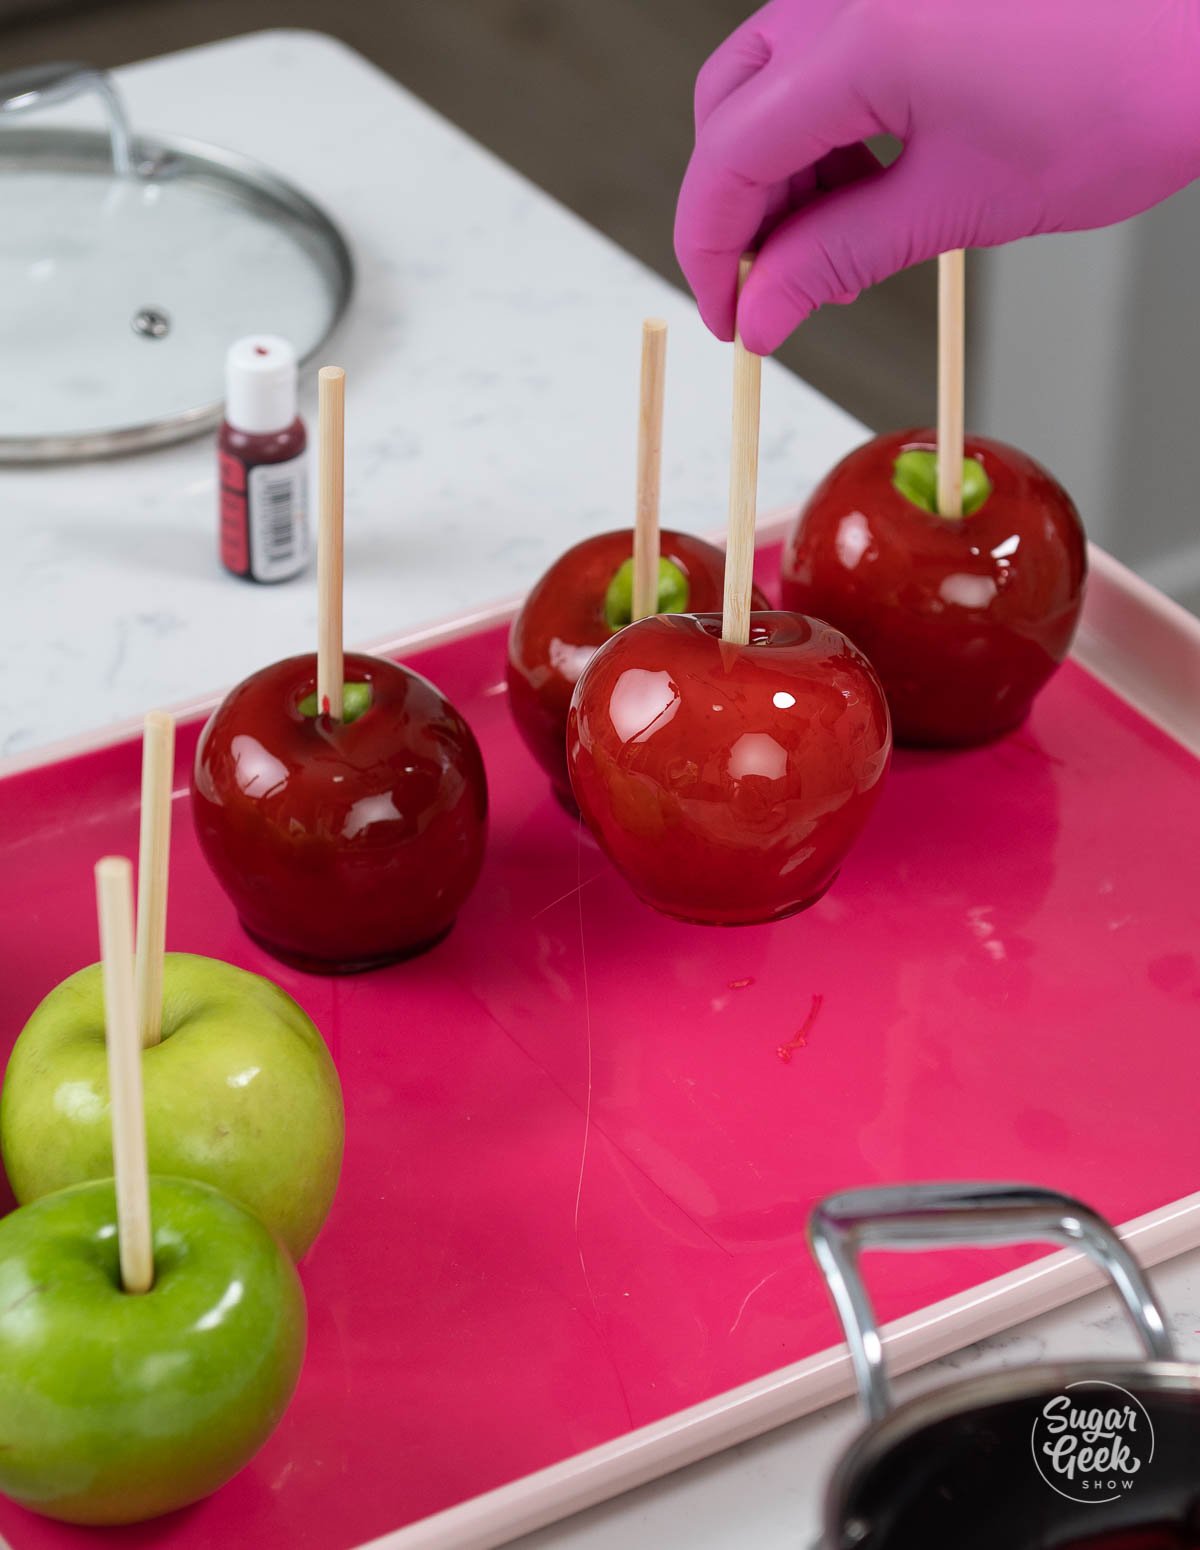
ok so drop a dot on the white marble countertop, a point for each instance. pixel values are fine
(491, 355)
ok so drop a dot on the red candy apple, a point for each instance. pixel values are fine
(728, 782)
(583, 600)
(341, 844)
(964, 618)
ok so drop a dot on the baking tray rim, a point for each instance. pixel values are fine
(1116, 597)
(1146, 649)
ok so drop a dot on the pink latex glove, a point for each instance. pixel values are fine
(1017, 116)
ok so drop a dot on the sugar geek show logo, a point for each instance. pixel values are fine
(1091, 1441)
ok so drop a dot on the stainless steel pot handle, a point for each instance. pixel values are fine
(918, 1216)
(43, 86)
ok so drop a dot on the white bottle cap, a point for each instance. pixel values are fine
(260, 384)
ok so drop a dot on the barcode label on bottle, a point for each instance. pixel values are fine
(278, 519)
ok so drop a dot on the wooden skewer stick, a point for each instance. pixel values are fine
(743, 485)
(649, 468)
(331, 438)
(114, 905)
(951, 362)
(154, 857)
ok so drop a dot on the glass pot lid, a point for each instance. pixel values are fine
(129, 265)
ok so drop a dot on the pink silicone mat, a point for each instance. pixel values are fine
(583, 1140)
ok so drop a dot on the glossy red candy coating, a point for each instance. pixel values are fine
(728, 782)
(964, 620)
(562, 622)
(341, 844)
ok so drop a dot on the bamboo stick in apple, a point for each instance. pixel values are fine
(364, 855)
(743, 485)
(331, 476)
(791, 756)
(951, 371)
(597, 588)
(238, 1090)
(956, 563)
(210, 1352)
(154, 857)
(649, 468)
(114, 906)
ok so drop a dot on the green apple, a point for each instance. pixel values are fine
(241, 1093)
(116, 1407)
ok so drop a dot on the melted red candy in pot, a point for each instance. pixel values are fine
(562, 623)
(964, 619)
(728, 782)
(341, 844)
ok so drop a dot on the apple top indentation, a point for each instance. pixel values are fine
(965, 620)
(356, 701)
(342, 845)
(672, 595)
(914, 475)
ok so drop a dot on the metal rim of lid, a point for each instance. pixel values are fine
(241, 178)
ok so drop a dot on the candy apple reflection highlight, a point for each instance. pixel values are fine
(964, 618)
(342, 844)
(582, 601)
(728, 782)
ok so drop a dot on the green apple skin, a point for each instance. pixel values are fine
(241, 1094)
(116, 1407)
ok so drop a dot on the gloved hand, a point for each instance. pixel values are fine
(1017, 116)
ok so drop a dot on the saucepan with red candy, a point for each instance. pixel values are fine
(1077, 1455)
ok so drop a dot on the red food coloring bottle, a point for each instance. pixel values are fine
(262, 450)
